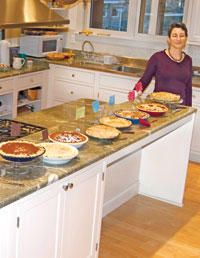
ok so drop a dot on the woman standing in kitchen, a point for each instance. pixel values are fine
(171, 68)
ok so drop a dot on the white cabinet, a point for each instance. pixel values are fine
(68, 84)
(195, 144)
(6, 98)
(118, 85)
(8, 223)
(61, 220)
(82, 212)
(38, 225)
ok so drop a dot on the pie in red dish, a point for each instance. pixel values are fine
(73, 138)
(153, 109)
(20, 151)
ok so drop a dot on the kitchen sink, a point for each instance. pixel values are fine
(127, 69)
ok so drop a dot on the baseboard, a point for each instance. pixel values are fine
(195, 156)
(161, 199)
(120, 199)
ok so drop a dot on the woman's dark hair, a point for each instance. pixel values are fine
(177, 25)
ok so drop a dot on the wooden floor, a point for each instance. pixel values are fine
(144, 227)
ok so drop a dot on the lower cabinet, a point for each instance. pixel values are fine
(81, 215)
(62, 220)
(195, 144)
(8, 232)
(38, 225)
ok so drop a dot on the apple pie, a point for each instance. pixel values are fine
(132, 114)
(153, 108)
(114, 121)
(164, 96)
(102, 132)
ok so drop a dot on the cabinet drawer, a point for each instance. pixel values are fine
(75, 75)
(117, 82)
(70, 92)
(6, 85)
(196, 95)
(34, 79)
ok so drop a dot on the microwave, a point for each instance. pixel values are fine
(41, 45)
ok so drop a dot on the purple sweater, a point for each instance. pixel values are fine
(170, 76)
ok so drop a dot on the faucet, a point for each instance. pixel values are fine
(89, 43)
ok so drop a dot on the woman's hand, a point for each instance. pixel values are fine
(137, 91)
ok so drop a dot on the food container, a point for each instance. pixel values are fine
(32, 94)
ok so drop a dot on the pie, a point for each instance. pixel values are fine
(164, 96)
(132, 114)
(115, 121)
(71, 137)
(59, 151)
(152, 107)
(20, 149)
(102, 132)
(55, 56)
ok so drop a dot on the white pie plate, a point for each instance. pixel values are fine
(63, 153)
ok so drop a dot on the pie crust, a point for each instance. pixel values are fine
(59, 151)
(132, 114)
(68, 137)
(152, 107)
(164, 96)
(114, 121)
(102, 132)
(20, 149)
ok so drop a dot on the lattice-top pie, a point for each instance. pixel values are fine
(164, 96)
(22, 149)
(115, 121)
(132, 114)
(152, 107)
(102, 132)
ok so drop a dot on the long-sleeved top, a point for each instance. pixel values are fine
(169, 75)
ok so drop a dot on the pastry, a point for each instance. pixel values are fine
(102, 132)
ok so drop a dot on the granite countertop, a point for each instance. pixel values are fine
(62, 117)
(77, 62)
(37, 66)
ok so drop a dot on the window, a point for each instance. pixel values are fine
(167, 12)
(109, 14)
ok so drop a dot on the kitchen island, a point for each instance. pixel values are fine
(63, 205)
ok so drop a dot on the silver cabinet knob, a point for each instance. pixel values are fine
(71, 185)
(65, 187)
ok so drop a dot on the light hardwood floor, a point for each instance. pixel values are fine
(144, 227)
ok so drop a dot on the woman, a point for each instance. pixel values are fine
(171, 68)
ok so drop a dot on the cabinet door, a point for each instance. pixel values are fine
(119, 96)
(67, 91)
(8, 230)
(38, 225)
(82, 215)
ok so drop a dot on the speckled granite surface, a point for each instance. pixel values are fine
(62, 117)
(43, 64)
(37, 66)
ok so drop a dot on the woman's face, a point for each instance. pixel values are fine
(177, 39)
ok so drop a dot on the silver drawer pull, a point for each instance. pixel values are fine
(71, 92)
(65, 187)
(71, 185)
